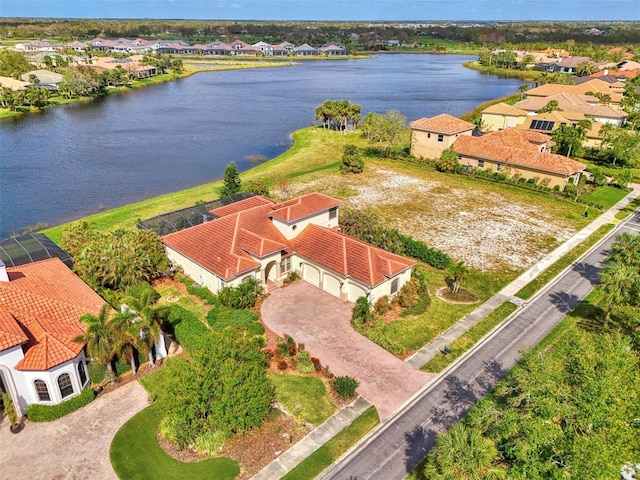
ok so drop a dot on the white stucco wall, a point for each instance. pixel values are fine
(292, 229)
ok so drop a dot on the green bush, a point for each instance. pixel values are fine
(303, 362)
(223, 317)
(9, 409)
(420, 250)
(203, 293)
(142, 289)
(382, 305)
(189, 331)
(243, 296)
(47, 413)
(345, 386)
(210, 442)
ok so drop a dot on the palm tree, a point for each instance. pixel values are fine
(458, 272)
(619, 284)
(463, 454)
(146, 328)
(99, 338)
(125, 338)
(626, 249)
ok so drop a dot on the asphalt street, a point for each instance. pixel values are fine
(400, 443)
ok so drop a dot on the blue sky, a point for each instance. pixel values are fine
(351, 10)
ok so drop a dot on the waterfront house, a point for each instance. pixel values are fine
(305, 50)
(42, 78)
(259, 238)
(333, 49)
(431, 136)
(501, 116)
(40, 307)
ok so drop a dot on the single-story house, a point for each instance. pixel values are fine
(333, 49)
(13, 84)
(259, 238)
(305, 50)
(518, 154)
(40, 307)
(42, 78)
(431, 136)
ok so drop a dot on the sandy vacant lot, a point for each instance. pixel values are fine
(487, 226)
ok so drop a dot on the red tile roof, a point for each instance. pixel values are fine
(516, 147)
(230, 245)
(241, 205)
(347, 256)
(442, 123)
(303, 206)
(45, 300)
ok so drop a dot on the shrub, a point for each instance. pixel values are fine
(223, 317)
(9, 409)
(282, 364)
(420, 250)
(382, 305)
(345, 386)
(243, 296)
(288, 346)
(316, 364)
(361, 312)
(448, 161)
(351, 161)
(144, 289)
(211, 442)
(203, 293)
(189, 331)
(47, 413)
(303, 362)
(407, 294)
(257, 186)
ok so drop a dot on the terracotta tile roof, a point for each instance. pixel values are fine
(571, 103)
(593, 85)
(10, 332)
(442, 123)
(505, 109)
(303, 206)
(347, 256)
(230, 245)
(509, 147)
(46, 301)
(241, 205)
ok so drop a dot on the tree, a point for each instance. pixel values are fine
(448, 161)
(231, 181)
(125, 338)
(13, 64)
(220, 388)
(619, 285)
(147, 323)
(351, 161)
(99, 338)
(390, 129)
(177, 66)
(568, 140)
(551, 106)
(36, 96)
(458, 274)
(463, 454)
(626, 249)
(623, 145)
(597, 176)
(630, 103)
(338, 114)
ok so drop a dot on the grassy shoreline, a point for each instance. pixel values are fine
(529, 75)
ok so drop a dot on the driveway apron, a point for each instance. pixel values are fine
(321, 322)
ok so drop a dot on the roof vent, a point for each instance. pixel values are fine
(4, 276)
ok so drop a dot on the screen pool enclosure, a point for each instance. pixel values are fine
(188, 217)
(29, 248)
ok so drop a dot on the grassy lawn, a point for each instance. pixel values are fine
(313, 465)
(136, 455)
(545, 277)
(469, 339)
(184, 301)
(629, 209)
(308, 392)
(606, 196)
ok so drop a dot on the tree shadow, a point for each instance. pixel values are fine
(564, 302)
(588, 271)
(419, 442)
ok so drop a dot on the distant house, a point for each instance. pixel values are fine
(288, 46)
(43, 78)
(431, 136)
(333, 49)
(13, 84)
(76, 46)
(305, 50)
(593, 85)
(37, 46)
(40, 307)
(132, 65)
(548, 122)
(501, 116)
(265, 48)
(217, 48)
(264, 240)
(566, 64)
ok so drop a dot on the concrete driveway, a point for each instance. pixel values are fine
(73, 447)
(321, 322)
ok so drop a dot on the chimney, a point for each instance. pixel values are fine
(4, 276)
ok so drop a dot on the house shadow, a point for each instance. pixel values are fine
(563, 301)
(588, 271)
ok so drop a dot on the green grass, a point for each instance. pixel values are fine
(629, 209)
(606, 197)
(308, 392)
(319, 460)
(136, 455)
(184, 301)
(611, 171)
(547, 275)
(469, 339)
(529, 75)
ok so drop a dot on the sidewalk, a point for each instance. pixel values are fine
(309, 444)
(426, 353)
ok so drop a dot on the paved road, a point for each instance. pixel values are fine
(401, 442)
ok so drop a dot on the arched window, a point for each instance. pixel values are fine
(65, 386)
(82, 374)
(42, 391)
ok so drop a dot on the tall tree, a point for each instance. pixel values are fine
(231, 181)
(351, 160)
(389, 129)
(99, 337)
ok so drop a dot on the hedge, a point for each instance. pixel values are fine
(420, 250)
(222, 317)
(46, 413)
(190, 332)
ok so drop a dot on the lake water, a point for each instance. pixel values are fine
(70, 161)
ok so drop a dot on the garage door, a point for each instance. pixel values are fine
(356, 292)
(331, 285)
(312, 275)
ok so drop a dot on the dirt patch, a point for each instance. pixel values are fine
(487, 230)
(463, 296)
